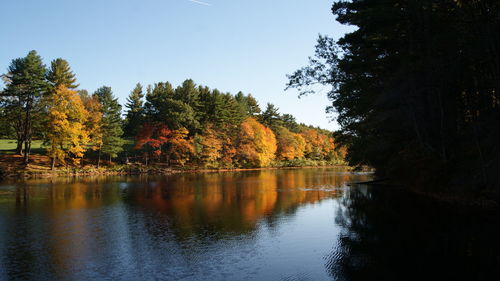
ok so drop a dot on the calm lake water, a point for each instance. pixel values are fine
(297, 224)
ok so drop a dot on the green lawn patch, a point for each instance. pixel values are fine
(8, 146)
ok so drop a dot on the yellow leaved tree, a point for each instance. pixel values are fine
(66, 131)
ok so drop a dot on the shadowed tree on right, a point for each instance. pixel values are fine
(415, 89)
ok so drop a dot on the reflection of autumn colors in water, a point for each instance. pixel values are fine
(236, 201)
(228, 225)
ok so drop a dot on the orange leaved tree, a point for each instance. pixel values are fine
(93, 124)
(256, 144)
(180, 147)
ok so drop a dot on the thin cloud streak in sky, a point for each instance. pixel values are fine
(200, 2)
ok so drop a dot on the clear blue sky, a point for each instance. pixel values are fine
(232, 45)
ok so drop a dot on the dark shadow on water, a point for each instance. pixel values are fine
(393, 235)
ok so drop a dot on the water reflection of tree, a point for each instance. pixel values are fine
(231, 204)
(42, 240)
(390, 235)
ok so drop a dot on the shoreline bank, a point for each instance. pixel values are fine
(129, 170)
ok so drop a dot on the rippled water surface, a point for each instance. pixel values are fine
(297, 224)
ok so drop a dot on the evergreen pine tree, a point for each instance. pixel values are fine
(248, 103)
(205, 96)
(188, 93)
(228, 113)
(155, 97)
(252, 105)
(135, 112)
(6, 130)
(271, 117)
(25, 88)
(166, 106)
(111, 123)
(60, 74)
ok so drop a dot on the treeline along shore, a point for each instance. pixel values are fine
(49, 125)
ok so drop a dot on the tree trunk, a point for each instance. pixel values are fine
(27, 137)
(26, 152)
(53, 163)
(19, 128)
(99, 157)
(19, 147)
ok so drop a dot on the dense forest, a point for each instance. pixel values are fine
(174, 126)
(415, 88)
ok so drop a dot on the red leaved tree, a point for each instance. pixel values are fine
(157, 139)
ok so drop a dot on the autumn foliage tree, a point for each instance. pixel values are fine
(318, 146)
(151, 138)
(180, 147)
(290, 145)
(256, 144)
(158, 140)
(93, 123)
(211, 147)
(66, 131)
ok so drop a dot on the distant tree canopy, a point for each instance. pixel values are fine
(174, 126)
(415, 88)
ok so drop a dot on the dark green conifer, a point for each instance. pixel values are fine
(60, 74)
(26, 84)
(112, 143)
(135, 112)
